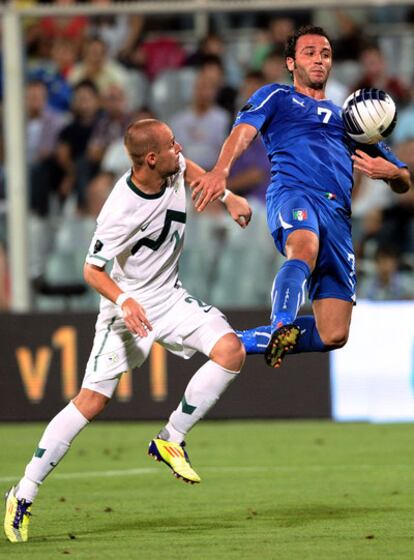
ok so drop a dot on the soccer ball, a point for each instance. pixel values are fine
(369, 115)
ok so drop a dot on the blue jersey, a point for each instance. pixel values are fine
(306, 142)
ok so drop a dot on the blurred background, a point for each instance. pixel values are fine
(74, 74)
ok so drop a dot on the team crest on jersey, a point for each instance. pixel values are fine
(300, 214)
(97, 247)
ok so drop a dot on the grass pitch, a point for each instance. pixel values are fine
(270, 490)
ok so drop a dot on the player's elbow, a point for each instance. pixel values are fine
(89, 273)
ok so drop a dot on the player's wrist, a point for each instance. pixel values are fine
(224, 195)
(121, 299)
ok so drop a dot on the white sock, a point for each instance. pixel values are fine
(54, 444)
(203, 391)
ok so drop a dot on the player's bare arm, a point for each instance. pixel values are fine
(192, 171)
(237, 206)
(212, 184)
(379, 168)
(134, 314)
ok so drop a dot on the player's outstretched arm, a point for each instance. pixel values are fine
(238, 208)
(211, 185)
(133, 313)
(192, 171)
(380, 168)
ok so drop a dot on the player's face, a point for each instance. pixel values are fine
(168, 157)
(312, 63)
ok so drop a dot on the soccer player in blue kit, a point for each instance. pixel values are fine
(308, 200)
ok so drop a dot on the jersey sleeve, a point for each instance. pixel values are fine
(381, 150)
(110, 239)
(105, 245)
(261, 106)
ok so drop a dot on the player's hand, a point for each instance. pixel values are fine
(135, 318)
(375, 168)
(239, 209)
(207, 188)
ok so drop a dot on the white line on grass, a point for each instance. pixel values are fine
(235, 469)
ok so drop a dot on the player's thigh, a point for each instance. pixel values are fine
(115, 350)
(303, 244)
(333, 319)
(290, 216)
(192, 326)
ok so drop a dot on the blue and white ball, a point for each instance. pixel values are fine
(369, 115)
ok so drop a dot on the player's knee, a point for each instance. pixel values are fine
(90, 403)
(335, 338)
(229, 352)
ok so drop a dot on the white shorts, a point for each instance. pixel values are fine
(189, 326)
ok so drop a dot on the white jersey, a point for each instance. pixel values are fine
(144, 236)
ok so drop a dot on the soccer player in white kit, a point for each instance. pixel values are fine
(141, 228)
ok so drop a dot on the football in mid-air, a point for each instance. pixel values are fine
(369, 115)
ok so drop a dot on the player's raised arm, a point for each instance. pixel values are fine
(192, 171)
(212, 184)
(380, 168)
(237, 206)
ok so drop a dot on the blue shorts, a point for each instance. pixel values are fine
(334, 274)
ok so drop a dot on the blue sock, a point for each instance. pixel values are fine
(255, 340)
(309, 340)
(288, 292)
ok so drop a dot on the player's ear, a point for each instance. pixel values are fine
(290, 63)
(151, 159)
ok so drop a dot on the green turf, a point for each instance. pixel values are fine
(270, 490)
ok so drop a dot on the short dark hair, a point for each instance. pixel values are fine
(290, 46)
(87, 83)
(210, 59)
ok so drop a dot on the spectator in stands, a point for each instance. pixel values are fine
(375, 74)
(117, 31)
(387, 282)
(43, 126)
(274, 67)
(404, 131)
(250, 174)
(73, 28)
(96, 66)
(202, 127)
(272, 39)
(212, 67)
(351, 40)
(53, 73)
(74, 138)
(213, 45)
(111, 124)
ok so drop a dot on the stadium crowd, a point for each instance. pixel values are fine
(88, 77)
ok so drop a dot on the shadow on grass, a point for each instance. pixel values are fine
(276, 517)
(305, 514)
